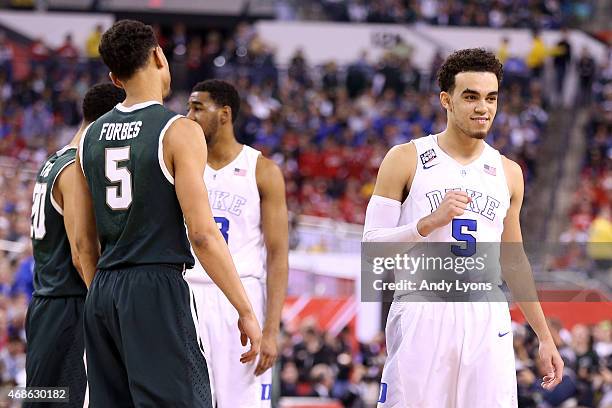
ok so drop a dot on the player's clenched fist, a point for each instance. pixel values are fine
(453, 205)
(249, 330)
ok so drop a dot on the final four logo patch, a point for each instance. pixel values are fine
(428, 156)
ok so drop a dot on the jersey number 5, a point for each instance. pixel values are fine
(118, 196)
(469, 240)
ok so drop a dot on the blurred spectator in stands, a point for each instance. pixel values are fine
(323, 380)
(600, 239)
(562, 59)
(587, 70)
(94, 63)
(212, 49)
(536, 58)
(298, 69)
(584, 364)
(262, 68)
(12, 359)
(352, 397)
(178, 56)
(39, 54)
(497, 17)
(357, 75)
(503, 51)
(92, 43)
(195, 62)
(602, 339)
(289, 380)
(357, 11)
(6, 56)
(67, 51)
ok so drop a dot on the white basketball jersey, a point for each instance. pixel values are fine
(483, 180)
(235, 203)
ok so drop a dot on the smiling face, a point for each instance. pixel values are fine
(471, 104)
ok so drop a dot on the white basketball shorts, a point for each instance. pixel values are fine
(448, 355)
(233, 384)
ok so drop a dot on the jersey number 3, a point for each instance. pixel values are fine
(118, 196)
(223, 224)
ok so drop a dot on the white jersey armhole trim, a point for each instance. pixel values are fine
(54, 203)
(416, 170)
(160, 149)
(255, 154)
(503, 175)
(81, 144)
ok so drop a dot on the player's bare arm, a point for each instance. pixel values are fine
(393, 182)
(517, 274)
(185, 156)
(274, 225)
(63, 193)
(86, 235)
(396, 172)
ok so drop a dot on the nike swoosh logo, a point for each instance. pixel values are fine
(429, 167)
(502, 334)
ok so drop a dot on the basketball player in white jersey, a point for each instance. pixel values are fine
(247, 195)
(456, 354)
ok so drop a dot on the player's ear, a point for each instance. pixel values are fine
(116, 81)
(445, 100)
(159, 57)
(226, 115)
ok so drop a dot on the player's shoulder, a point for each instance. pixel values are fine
(267, 167)
(511, 168)
(184, 128)
(267, 173)
(401, 153)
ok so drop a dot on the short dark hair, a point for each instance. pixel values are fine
(470, 59)
(100, 99)
(126, 46)
(222, 93)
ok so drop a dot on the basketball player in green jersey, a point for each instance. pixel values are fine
(141, 182)
(54, 325)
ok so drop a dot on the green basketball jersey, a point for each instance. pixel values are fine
(138, 216)
(54, 273)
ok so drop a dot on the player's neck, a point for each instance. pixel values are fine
(138, 90)
(225, 149)
(459, 145)
(77, 137)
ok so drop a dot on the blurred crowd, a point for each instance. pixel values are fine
(587, 376)
(590, 227)
(479, 13)
(315, 363)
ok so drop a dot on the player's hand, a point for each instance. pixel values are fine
(268, 353)
(453, 205)
(552, 364)
(251, 332)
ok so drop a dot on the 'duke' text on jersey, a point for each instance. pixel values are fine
(487, 207)
(224, 201)
(120, 131)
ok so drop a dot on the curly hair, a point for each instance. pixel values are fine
(100, 99)
(222, 93)
(126, 46)
(469, 59)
